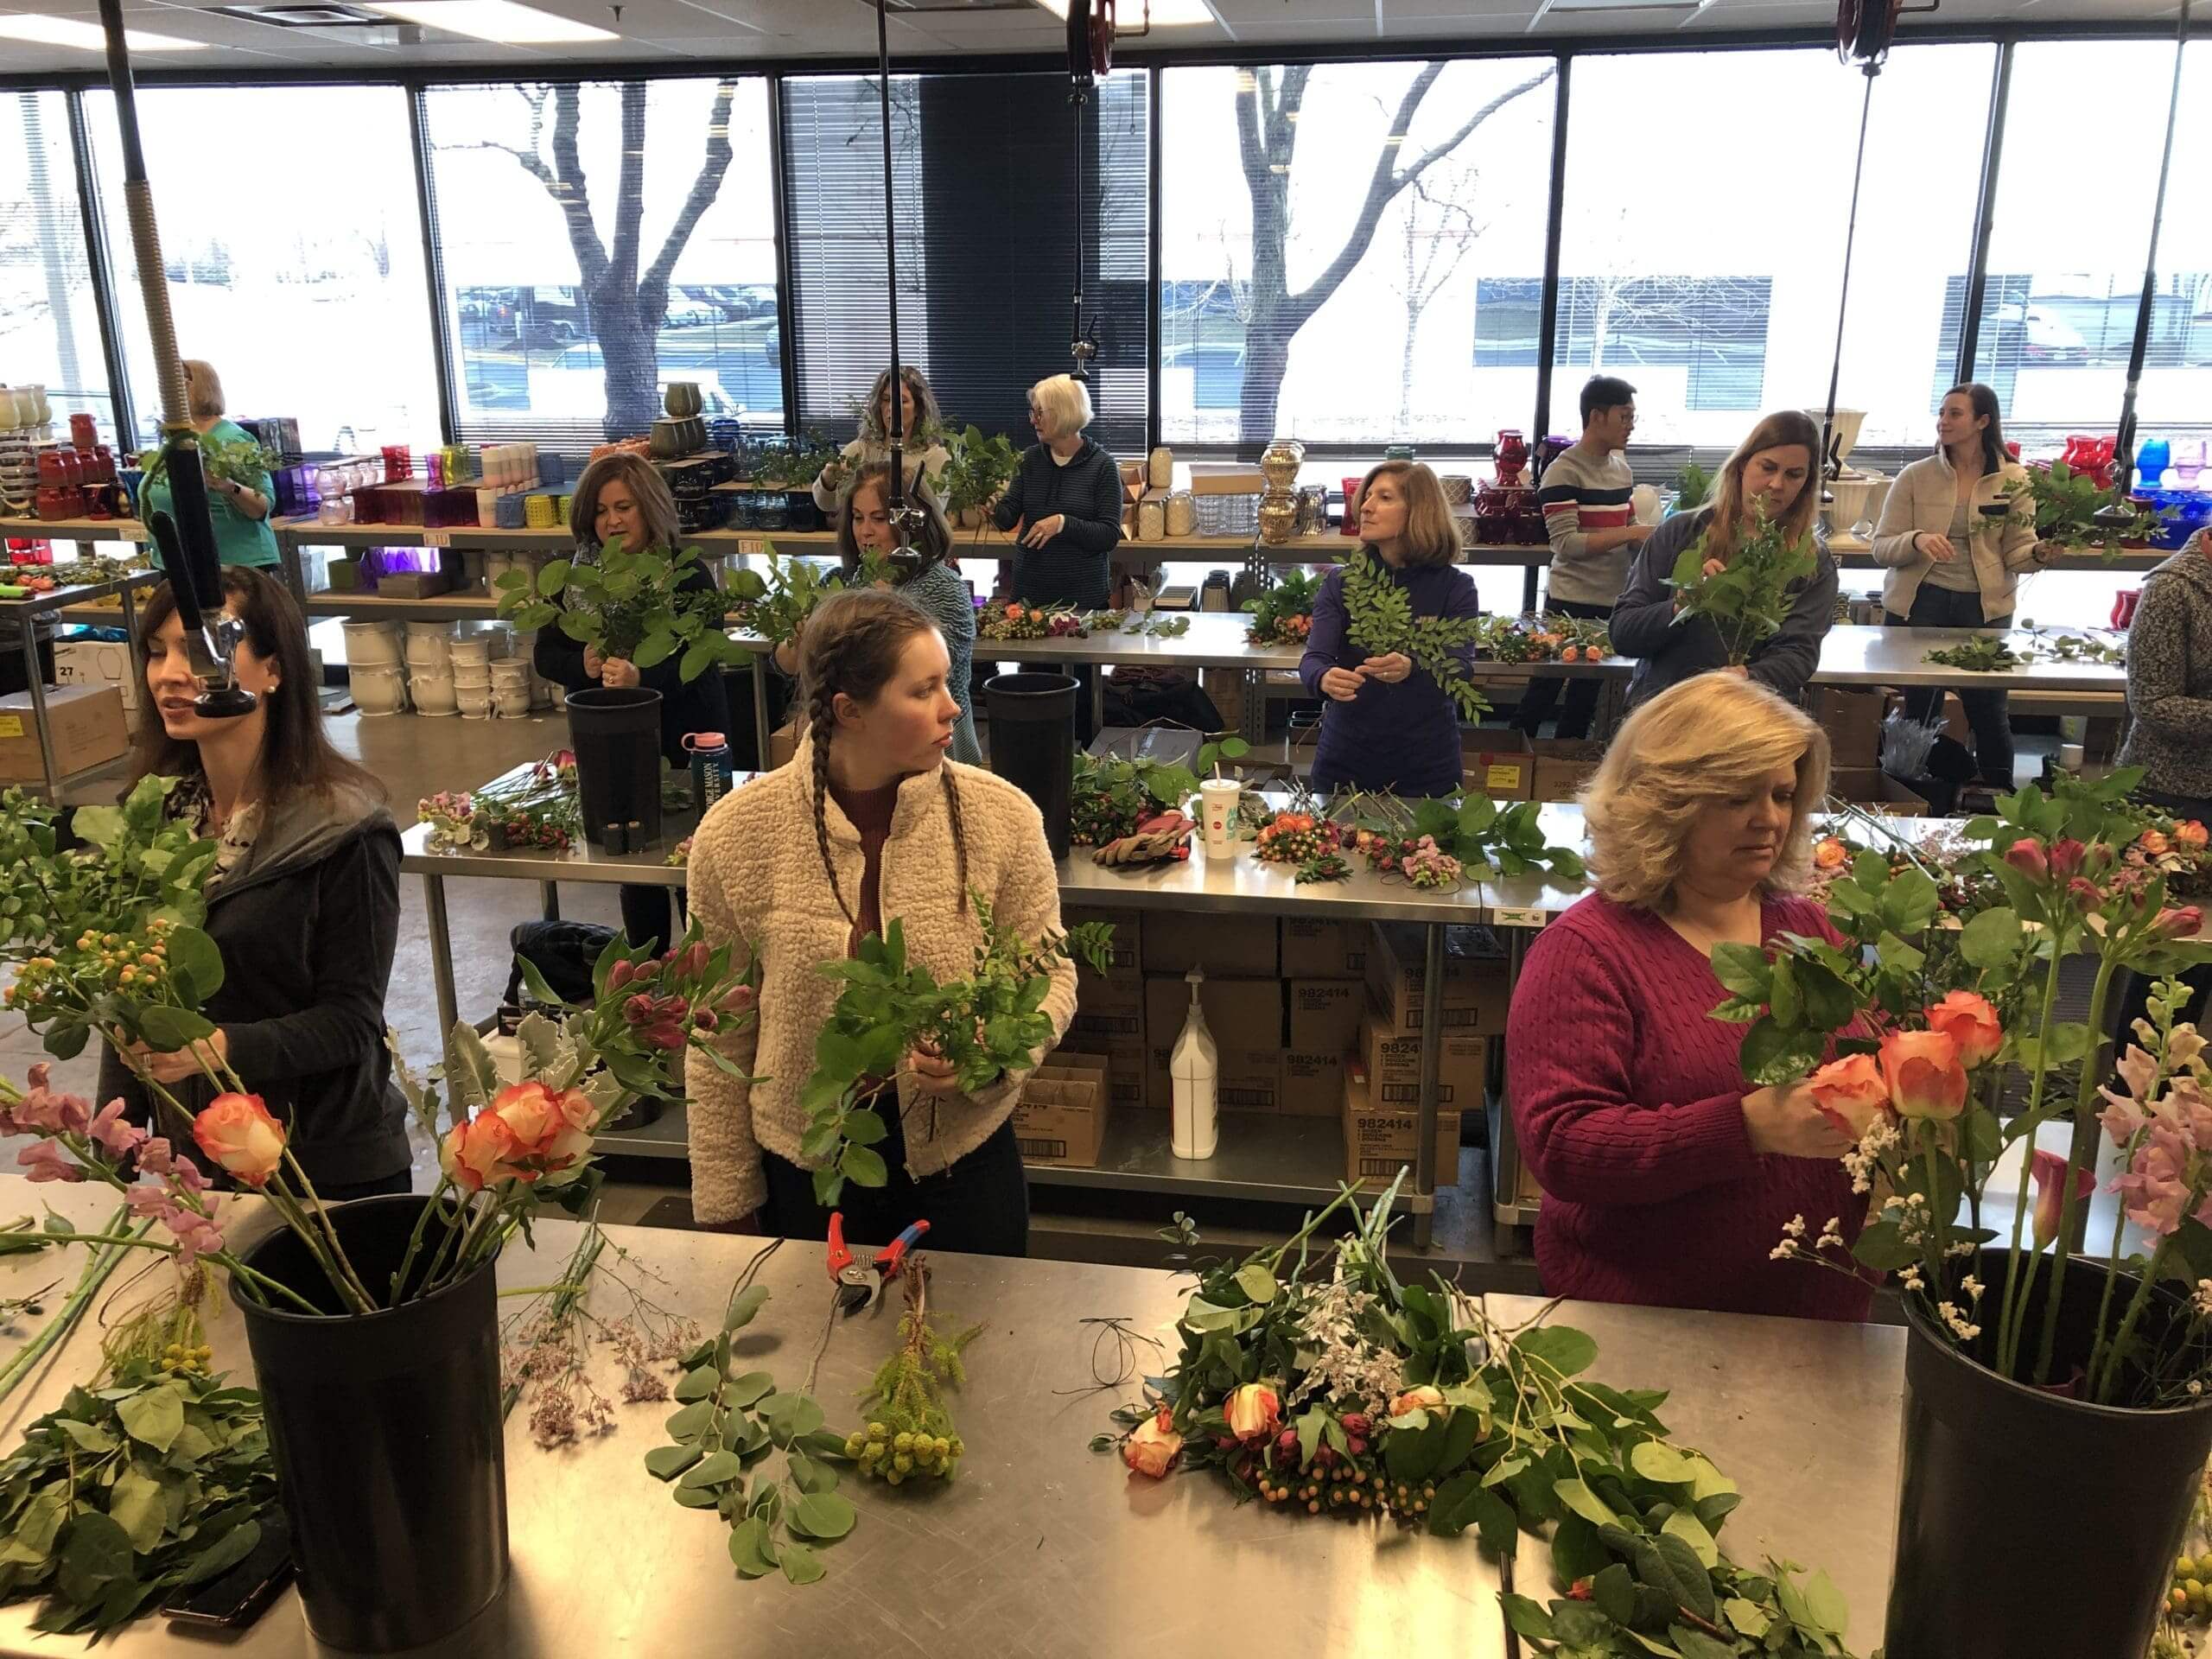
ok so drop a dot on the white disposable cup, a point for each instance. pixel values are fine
(1217, 813)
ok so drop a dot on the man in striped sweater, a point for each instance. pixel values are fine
(1585, 497)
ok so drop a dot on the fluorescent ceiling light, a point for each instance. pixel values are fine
(504, 22)
(1165, 14)
(87, 37)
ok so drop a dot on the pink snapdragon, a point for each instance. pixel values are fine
(43, 1160)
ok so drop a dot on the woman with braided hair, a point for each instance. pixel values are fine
(870, 821)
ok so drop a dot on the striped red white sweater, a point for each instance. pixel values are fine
(1585, 489)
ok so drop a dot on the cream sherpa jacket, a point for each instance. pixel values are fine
(756, 877)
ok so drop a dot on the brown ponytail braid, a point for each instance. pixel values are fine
(851, 646)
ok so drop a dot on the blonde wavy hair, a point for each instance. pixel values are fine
(1709, 740)
(1432, 534)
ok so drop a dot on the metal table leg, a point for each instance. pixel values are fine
(1431, 1062)
(35, 681)
(1098, 698)
(137, 646)
(760, 710)
(1504, 1146)
(549, 898)
(434, 905)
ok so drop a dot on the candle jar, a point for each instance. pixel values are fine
(1279, 464)
(1278, 517)
(1152, 520)
(1182, 512)
(1160, 470)
(82, 433)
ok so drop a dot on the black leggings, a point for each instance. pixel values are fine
(979, 1206)
(1582, 689)
(1987, 713)
(651, 915)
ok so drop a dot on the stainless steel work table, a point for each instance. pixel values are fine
(1039, 1546)
(1855, 654)
(1274, 1159)
(1802, 1414)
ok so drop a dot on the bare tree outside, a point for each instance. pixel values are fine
(1441, 230)
(627, 294)
(1270, 101)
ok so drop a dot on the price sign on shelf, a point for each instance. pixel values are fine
(437, 539)
(1516, 916)
(751, 547)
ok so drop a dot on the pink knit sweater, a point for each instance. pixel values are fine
(1627, 1099)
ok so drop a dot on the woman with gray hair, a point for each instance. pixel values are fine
(1668, 1178)
(1064, 502)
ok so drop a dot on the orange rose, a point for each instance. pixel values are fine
(1253, 1410)
(1971, 1023)
(2154, 843)
(553, 1131)
(1924, 1074)
(2191, 835)
(1151, 1451)
(237, 1133)
(1831, 855)
(1013, 610)
(1850, 1093)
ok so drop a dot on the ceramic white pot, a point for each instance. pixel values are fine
(377, 690)
(512, 700)
(371, 644)
(433, 692)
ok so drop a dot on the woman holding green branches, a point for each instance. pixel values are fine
(1770, 479)
(870, 823)
(302, 900)
(621, 495)
(239, 508)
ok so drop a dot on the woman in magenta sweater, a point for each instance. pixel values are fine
(1666, 1180)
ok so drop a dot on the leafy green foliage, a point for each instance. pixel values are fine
(980, 469)
(1985, 653)
(624, 604)
(1693, 487)
(235, 460)
(1407, 1402)
(910, 1431)
(1283, 614)
(776, 605)
(1379, 619)
(984, 1026)
(1488, 840)
(786, 465)
(2066, 503)
(1748, 600)
(721, 1442)
(125, 1492)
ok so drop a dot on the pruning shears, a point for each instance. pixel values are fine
(860, 1285)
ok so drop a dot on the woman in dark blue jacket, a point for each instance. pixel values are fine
(1387, 724)
(1066, 496)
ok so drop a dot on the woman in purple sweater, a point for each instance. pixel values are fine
(1387, 724)
(1667, 1178)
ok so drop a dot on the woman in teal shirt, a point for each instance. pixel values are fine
(240, 512)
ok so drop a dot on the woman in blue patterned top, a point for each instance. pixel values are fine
(932, 588)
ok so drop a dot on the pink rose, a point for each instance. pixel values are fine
(2048, 1170)
(1253, 1411)
(237, 1133)
(2025, 856)
(1924, 1074)
(1971, 1023)
(2066, 857)
(1151, 1451)
(1850, 1093)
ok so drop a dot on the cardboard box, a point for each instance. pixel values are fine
(1324, 1014)
(1313, 1084)
(1502, 774)
(96, 662)
(1563, 765)
(1244, 1015)
(1109, 1022)
(1062, 1117)
(1313, 949)
(1379, 1141)
(1224, 688)
(1475, 988)
(85, 722)
(782, 743)
(1228, 947)
(1852, 715)
(1390, 1061)
(1226, 478)
(1125, 967)
(1860, 784)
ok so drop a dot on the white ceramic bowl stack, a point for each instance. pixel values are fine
(512, 690)
(430, 667)
(375, 669)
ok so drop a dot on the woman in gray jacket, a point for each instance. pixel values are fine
(1954, 539)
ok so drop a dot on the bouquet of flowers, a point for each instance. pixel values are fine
(1748, 600)
(624, 604)
(1113, 796)
(1311, 1379)
(985, 1026)
(1467, 836)
(1923, 1012)
(1017, 621)
(1306, 841)
(1283, 614)
(539, 809)
(1551, 637)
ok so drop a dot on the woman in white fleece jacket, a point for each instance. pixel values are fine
(868, 821)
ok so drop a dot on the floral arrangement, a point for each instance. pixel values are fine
(1309, 841)
(1379, 619)
(1467, 836)
(1152, 625)
(2172, 848)
(1112, 797)
(979, 470)
(1283, 613)
(1748, 600)
(242, 461)
(2065, 503)
(792, 465)
(986, 1026)
(539, 809)
(1017, 621)
(626, 604)
(1312, 1380)
(1921, 1015)
(1549, 638)
(910, 1432)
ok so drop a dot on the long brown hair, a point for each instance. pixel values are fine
(647, 488)
(1983, 402)
(1431, 535)
(851, 644)
(1782, 428)
(875, 422)
(934, 543)
(296, 756)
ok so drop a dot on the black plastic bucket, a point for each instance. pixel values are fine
(1032, 743)
(387, 1436)
(2029, 1524)
(616, 735)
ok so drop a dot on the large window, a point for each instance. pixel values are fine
(49, 323)
(983, 188)
(598, 240)
(1325, 233)
(2071, 227)
(302, 285)
(1701, 252)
